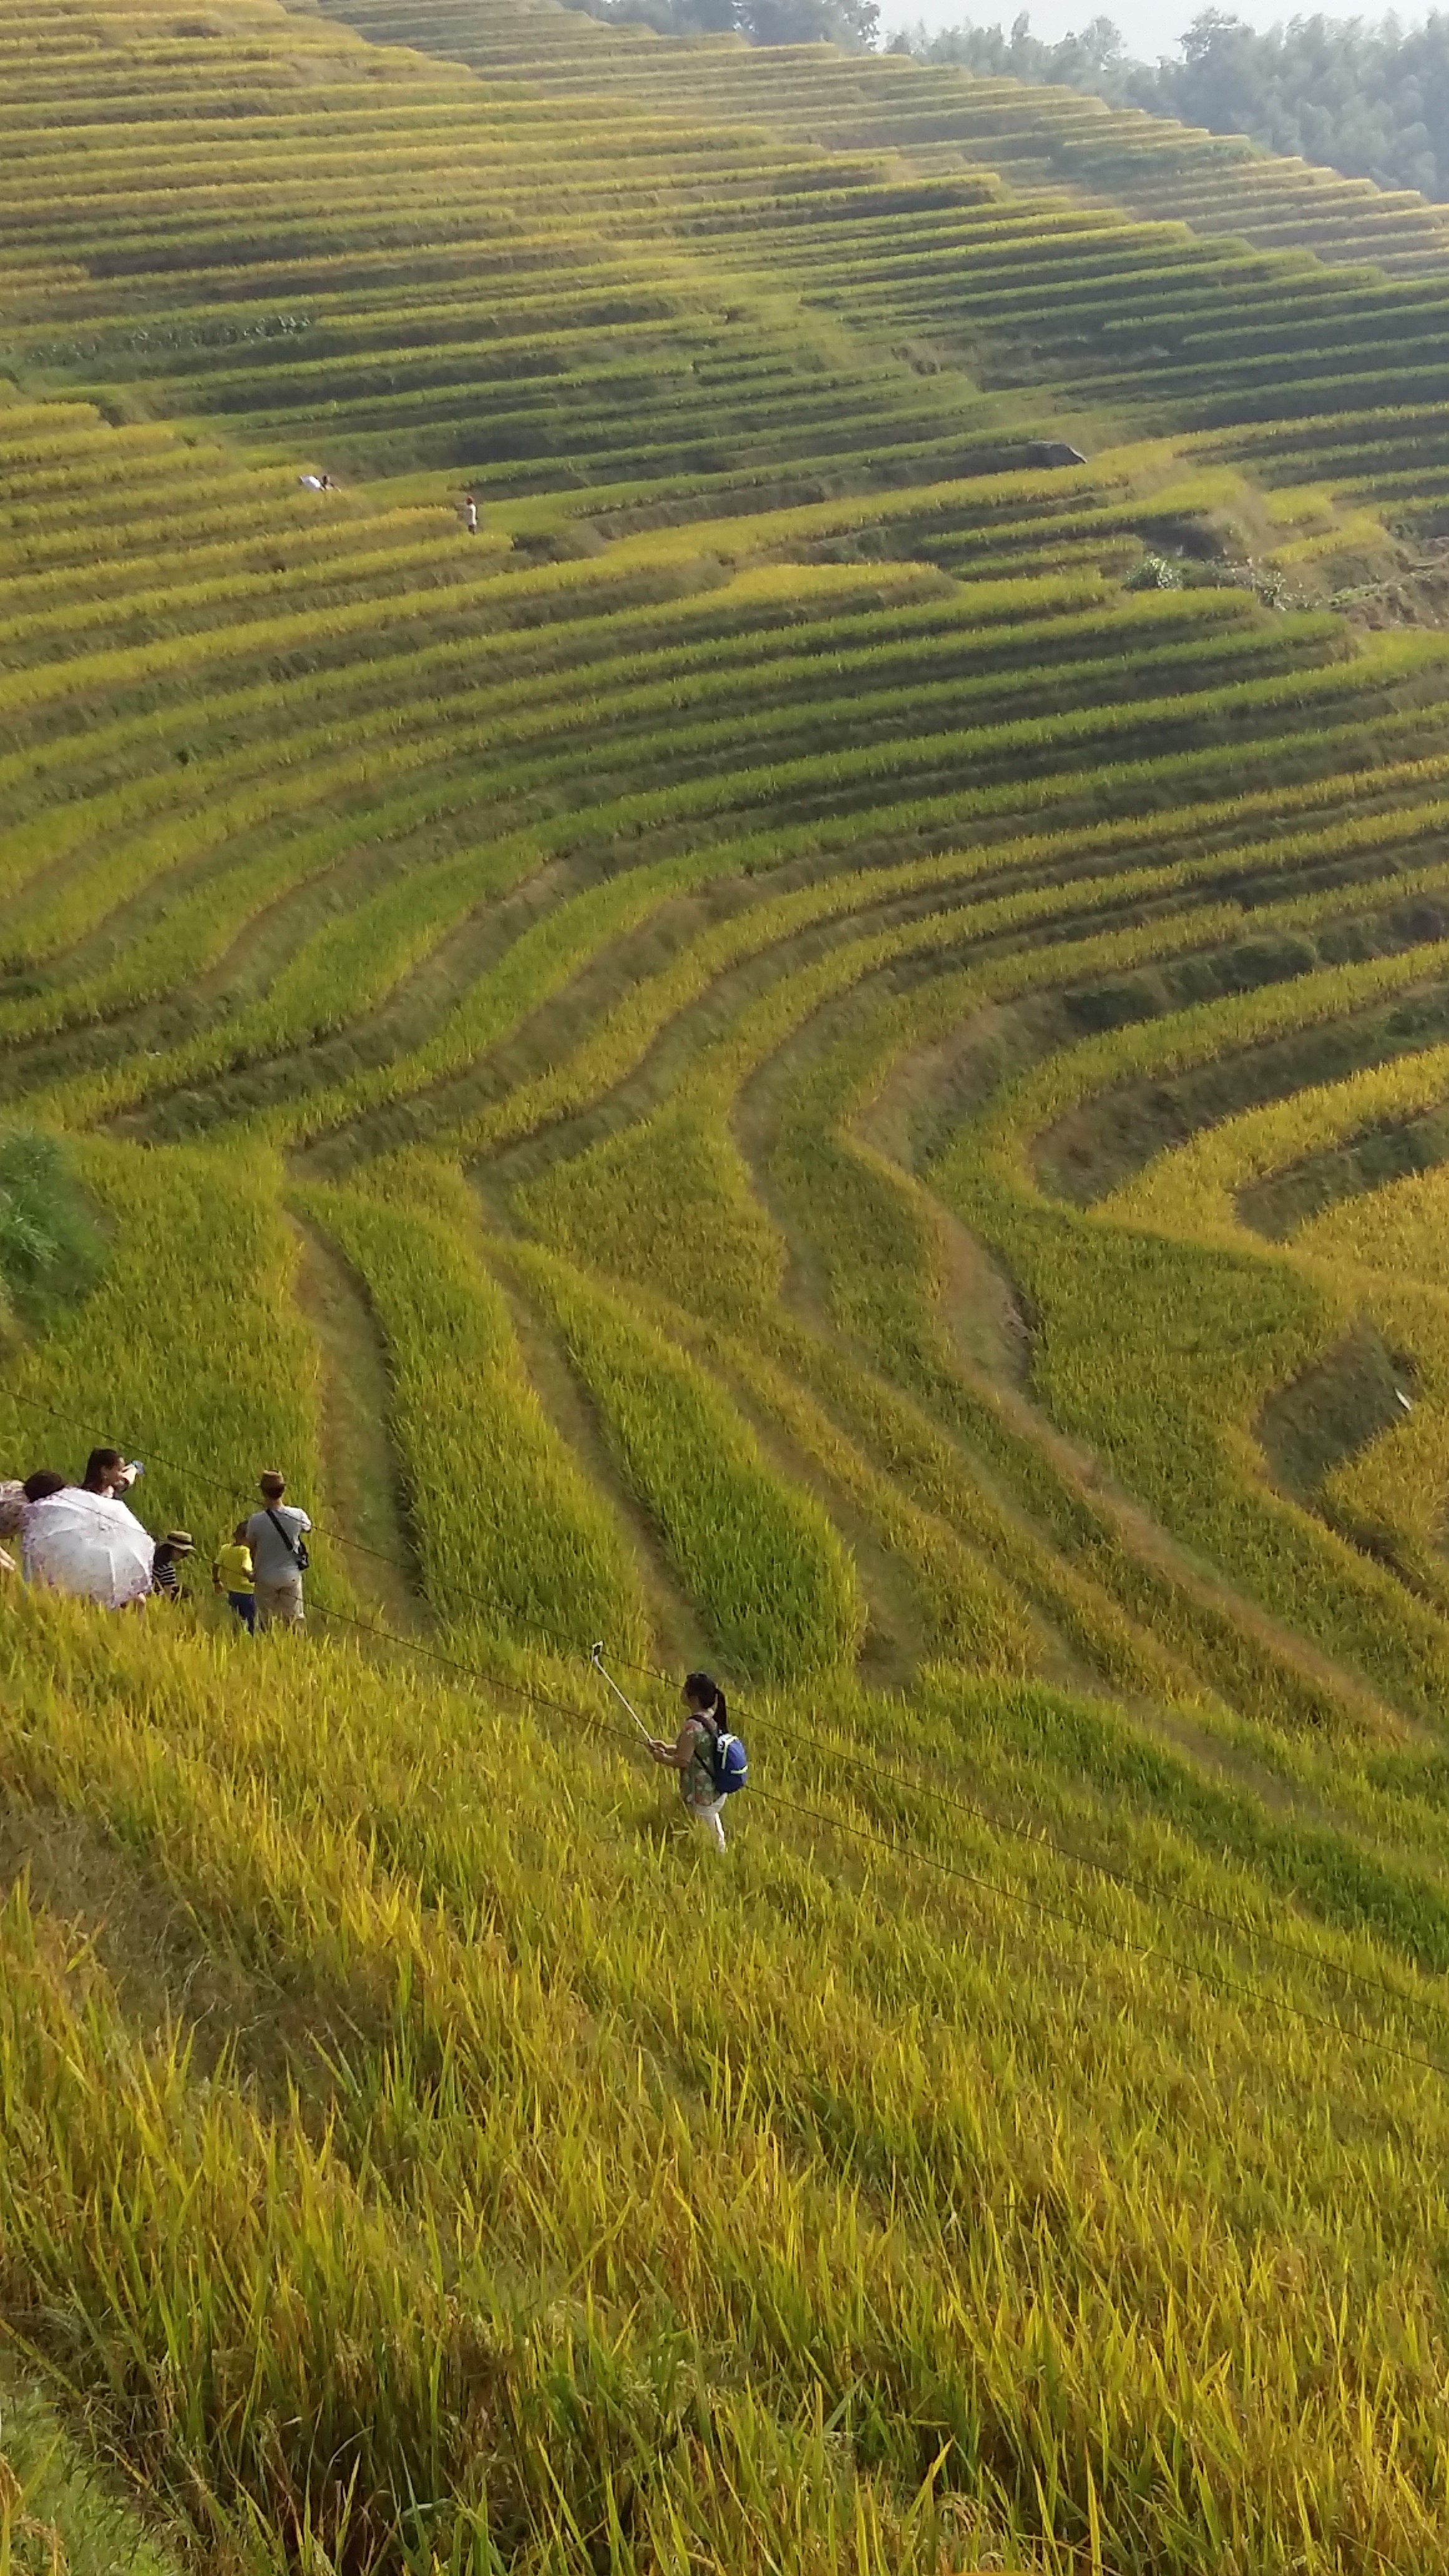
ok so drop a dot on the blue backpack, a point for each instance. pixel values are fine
(730, 1763)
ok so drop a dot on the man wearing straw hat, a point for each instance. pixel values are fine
(277, 1537)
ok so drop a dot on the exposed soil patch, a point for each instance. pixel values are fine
(1280, 1204)
(680, 1639)
(1102, 1143)
(985, 1316)
(930, 1089)
(1333, 1410)
(1410, 589)
(363, 1475)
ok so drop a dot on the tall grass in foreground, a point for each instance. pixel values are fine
(536, 2194)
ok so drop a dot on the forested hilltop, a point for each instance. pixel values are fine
(1371, 100)
(1368, 98)
(724, 897)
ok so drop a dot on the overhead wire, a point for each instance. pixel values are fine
(333, 1537)
(1353, 1979)
(903, 1850)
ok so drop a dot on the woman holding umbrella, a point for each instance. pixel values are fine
(84, 1540)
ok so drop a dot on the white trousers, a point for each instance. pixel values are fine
(709, 1820)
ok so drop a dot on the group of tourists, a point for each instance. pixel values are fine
(86, 1540)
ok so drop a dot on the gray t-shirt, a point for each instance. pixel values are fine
(272, 1558)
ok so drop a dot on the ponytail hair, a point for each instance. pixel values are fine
(707, 1699)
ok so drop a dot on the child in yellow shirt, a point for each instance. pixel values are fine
(232, 1574)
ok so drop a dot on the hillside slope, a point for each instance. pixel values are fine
(822, 1050)
(940, 119)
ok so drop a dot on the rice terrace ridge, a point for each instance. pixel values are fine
(726, 1018)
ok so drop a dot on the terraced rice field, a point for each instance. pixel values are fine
(820, 1051)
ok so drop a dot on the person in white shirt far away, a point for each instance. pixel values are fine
(275, 1535)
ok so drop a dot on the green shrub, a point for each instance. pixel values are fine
(51, 1250)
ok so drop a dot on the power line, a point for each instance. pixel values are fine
(336, 1539)
(472, 1672)
(1132, 1950)
(1362, 1979)
(911, 1853)
(1353, 1979)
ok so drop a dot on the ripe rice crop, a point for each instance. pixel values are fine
(502, 1516)
(761, 1559)
(820, 1052)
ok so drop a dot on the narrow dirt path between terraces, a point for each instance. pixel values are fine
(679, 1638)
(362, 1472)
(986, 1335)
(1144, 1536)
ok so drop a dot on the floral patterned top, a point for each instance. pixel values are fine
(696, 1780)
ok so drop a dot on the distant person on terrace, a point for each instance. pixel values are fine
(276, 1536)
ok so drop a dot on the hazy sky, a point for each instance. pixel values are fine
(1149, 27)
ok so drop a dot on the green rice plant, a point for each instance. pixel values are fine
(1384, 1248)
(667, 1199)
(726, 1265)
(598, 1211)
(602, 1059)
(1145, 1623)
(1193, 1189)
(200, 1261)
(759, 1557)
(590, 1207)
(441, 737)
(51, 1251)
(347, 969)
(1023, 2149)
(1021, 1110)
(1212, 1332)
(509, 1536)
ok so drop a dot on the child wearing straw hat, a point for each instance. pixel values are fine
(164, 1578)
